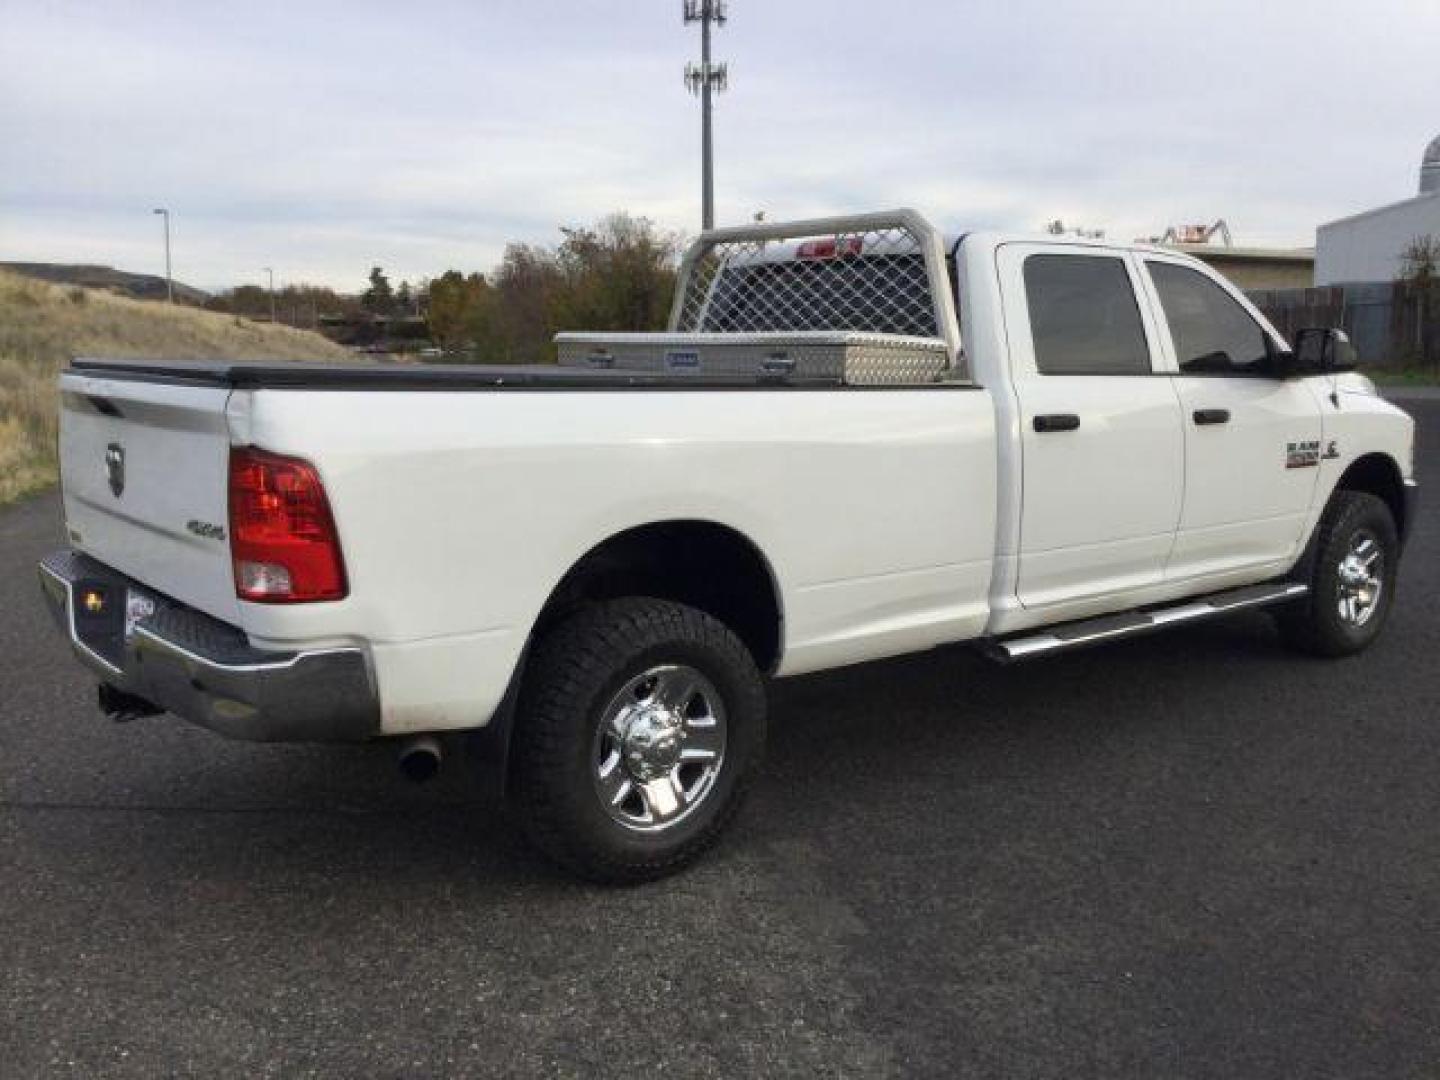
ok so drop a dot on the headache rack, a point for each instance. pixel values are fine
(863, 300)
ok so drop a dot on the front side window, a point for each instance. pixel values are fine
(1213, 334)
(1083, 316)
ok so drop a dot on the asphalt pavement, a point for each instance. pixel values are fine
(1193, 855)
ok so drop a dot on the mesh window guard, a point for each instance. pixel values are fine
(873, 273)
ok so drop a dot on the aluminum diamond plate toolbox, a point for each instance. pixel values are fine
(842, 357)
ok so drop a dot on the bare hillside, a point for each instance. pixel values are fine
(42, 326)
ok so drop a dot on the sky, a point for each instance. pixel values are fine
(322, 138)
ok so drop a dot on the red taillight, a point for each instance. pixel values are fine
(282, 535)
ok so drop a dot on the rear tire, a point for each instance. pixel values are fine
(640, 725)
(1351, 577)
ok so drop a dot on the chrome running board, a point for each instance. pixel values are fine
(1076, 635)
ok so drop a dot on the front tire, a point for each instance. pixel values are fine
(640, 724)
(1351, 577)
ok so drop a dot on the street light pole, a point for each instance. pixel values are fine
(169, 281)
(272, 293)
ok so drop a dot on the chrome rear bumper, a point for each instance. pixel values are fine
(206, 671)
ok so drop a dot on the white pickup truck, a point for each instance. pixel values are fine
(593, 566)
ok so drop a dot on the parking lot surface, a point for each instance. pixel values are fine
(1193, 855)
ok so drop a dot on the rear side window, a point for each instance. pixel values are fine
(1083, 316)
(1213, 334)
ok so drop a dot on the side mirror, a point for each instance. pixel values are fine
(1321, 351)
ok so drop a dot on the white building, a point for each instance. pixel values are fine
(1367, 247)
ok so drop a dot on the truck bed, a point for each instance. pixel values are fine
(460, 508)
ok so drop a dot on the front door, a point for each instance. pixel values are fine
(1252, 440)
(1101, 441)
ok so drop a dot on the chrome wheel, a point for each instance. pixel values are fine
(659, 748)
(1362, 579)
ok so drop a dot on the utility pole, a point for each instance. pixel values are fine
(272, 294)
(706, 79)
(169, 281)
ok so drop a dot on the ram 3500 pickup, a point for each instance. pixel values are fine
(593, 566)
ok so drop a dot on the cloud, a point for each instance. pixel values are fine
(323, 138)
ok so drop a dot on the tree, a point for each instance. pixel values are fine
(620, 274)
(296, 305)
(1417, 302)
(379, 299)
(616, 275)
(528, 286)
(249, 301)
(460, 310)
(1420, 261)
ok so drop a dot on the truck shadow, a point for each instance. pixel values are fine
(921, 726)
(846, 744)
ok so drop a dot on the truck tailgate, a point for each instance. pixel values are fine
(144, 470)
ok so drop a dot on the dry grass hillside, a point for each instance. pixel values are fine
(42, 326)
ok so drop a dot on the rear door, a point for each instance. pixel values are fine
(1101, 440)
(1252, 440)
(144, 469)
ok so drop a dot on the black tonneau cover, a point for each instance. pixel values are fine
(319, 375)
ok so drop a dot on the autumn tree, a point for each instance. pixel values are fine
(528, 285)
(619, 275)
(460, 310)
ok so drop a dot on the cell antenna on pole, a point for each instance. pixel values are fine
(706, 79)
